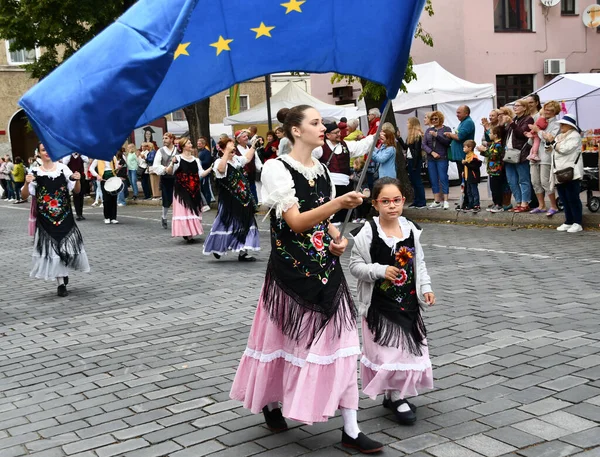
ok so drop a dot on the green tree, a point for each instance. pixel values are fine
(375, 94)
(61, 27)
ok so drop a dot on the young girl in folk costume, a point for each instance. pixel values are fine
(58, 244)
(234, 228)
(187, 201)
(300, 361)
(387, 259)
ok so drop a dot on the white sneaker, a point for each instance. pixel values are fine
(107, 221)
(114, 221)
(446, 205)
(205, 208)
(95, 204)
(435, 205)
(575, 228)
(564, 228)
(120, 204)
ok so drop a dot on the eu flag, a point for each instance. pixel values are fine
(162, 55)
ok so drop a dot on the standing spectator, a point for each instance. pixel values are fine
(3, 178)
(76, 163)
(252, 135)
(464, 132)
(374, 117)
(354, 133)
(436, 146)
(472, 176)
(143, 169)
(149, 154)
(518, 174)
(413, 147)
(343, 126)
(385, 155)
(494, 154)
(540, 171)
(285, 146)
(271, 147)
(488, 124)
(10, 183)
(132, 168)
(18, 175)
(205, 161)
(566, 153)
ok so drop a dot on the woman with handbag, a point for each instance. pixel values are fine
(566, 171)
(515, 157)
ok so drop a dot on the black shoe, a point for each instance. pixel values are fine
(186, 238)
(62, 291)
(163, 221)
(79, 218)
(66, 280)
(217, 256)
(246, 258)
(275, 420)
(362, 443)
(404, 418)
(191, 240)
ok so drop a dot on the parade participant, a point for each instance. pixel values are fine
(161, 161)
(234, 228)
(58, 244)
(76, 163)
(103, 170)
(187, 201)
(205, 161)
(336, 154)
(300, 361)
(393, 284)
(243, 145)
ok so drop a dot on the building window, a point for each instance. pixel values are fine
(179, 115)
(20, 56)
(567, 7)
(512, 15)
(512, 87)
(244, 103)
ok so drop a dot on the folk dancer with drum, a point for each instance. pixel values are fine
(187, 201)
(234, 228)
(162, 159)
(58, 244)
(111, 185)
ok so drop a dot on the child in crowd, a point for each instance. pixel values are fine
(494, 155)
(472, 176)
(393, 284)
(542, 124)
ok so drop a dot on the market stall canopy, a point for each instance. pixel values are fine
(435, 85)
(580, 93)
(292, 95)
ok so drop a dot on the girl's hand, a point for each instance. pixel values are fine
(481, 148)
(391, 273)
(350, 200)
(382, 136)
(29, 178)
(548, 137)
(429, 298)
(76, 176)
(338, 248)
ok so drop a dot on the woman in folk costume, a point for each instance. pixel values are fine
(58, 244)
(187, 199)
(300, 361)
(103, 170)
(234, 228)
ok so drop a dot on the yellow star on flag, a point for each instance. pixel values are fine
(263, 30)
(221, 45)
(293, 5)
(181, 50)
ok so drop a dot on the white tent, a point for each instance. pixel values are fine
(291, 95)
(181, 127)
(581, 94)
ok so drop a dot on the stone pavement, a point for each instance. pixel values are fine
(139, 359)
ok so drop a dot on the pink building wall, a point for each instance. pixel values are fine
(465, 44)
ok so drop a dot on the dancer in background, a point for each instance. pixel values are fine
(187, 201)
(76, 163)
(162, 159)
(234, 228)
(58, 244)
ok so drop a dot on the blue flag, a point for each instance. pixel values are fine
(162, 55)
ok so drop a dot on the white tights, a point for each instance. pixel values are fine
(394, 395)
(165, 212)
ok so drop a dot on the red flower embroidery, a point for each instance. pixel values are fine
(241, 186)
(54, 203)
(46, 198)
(317, 240)
(324, 280)
(401, 279)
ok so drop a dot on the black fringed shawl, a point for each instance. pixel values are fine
(187, 186)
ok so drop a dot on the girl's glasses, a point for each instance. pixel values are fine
(386, 201)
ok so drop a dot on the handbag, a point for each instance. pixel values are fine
(566, 174)
(511, 155)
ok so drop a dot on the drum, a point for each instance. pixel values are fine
(113, 185)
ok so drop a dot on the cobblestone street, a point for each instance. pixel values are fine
(138, 360)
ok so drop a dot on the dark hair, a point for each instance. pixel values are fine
(272, 133)
(222, 143)
(18, 160)
(536, 97)
(343, 119)
(291, 118)
(498, 131)
(381, 183)
(470, 144)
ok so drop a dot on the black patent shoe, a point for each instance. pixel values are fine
(62, 291)
(246, 258)
(216, 256)
(361, 443)
(66, 280)
(405, 417)
(163, 221)
(274, 420)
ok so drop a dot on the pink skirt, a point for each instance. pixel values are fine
(185, 222)
(32, 216)
(311, 383)
(389, 368)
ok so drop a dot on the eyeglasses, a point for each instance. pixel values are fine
(386, 201)
(434, 119)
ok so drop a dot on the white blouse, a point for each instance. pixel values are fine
(235, 161)
(190, 160)
(278, 191)
(60, 168)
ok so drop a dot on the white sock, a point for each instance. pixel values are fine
(273, 405)
(60, 281)
(350, 422)
(165, 212)
(395, 396)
